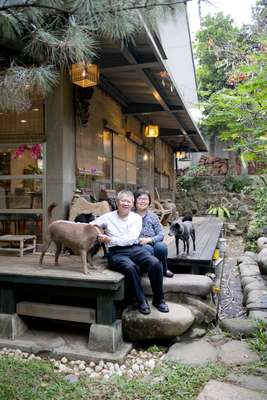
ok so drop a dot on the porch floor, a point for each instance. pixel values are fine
(208, 231)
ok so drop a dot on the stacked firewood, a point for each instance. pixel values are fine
(213, 165)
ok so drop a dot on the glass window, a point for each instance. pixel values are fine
(21, 189)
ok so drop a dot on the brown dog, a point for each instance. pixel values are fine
(80, 237)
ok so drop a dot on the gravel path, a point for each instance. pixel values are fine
(231, 295)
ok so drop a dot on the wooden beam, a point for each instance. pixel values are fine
(145, 108)
(170, 133)
(129, 68)
(55, 311)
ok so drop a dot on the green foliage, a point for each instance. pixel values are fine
(259, 341)
(239, 114)
(212, 42)
(237, 183)
(190, 178)
(219, 211)
(156, 349)
(260, 217)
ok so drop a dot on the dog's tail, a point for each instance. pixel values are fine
(49, 212)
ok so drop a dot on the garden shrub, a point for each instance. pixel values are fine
(259, 220)
(191, 177)
(237, 183)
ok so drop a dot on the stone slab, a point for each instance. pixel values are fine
(258, 315)
(237, 352)
(196, 285)
(198, 352)
(156, 325)
(238, 327)
(73, 346)
(250, 382)
(215, 390)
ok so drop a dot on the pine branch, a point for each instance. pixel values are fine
(19, 84)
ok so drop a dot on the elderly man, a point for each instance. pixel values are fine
(122, 231)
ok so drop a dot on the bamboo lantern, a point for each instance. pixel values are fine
(152, 131)
(85, 75)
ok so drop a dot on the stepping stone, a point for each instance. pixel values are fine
(215, 390)
(196, 353)
(157, 325)
(237, 352)
(237, 327)
(249, 381)
(196, 285)
(249, 270)
(256, 315)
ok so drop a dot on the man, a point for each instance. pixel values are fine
(122, 231)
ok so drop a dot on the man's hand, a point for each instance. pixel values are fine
(103, 238)
(145, 240)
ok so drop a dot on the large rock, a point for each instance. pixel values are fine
(238, 327)
(215, 390)
(196, 285)
(262, 260)
(156, 325)
(196, 353)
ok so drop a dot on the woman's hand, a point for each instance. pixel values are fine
(103, 238)
(145, 240)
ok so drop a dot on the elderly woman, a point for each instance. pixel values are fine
(151, 236)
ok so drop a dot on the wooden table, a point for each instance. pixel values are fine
(22, 245)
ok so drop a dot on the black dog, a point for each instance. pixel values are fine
(182, 231)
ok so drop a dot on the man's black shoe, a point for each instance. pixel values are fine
(162, 306)
(144, 308)
(168, 273)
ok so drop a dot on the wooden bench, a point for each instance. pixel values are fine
(56, 311)
(23, 247)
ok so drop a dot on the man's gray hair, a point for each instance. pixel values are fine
(127, 193)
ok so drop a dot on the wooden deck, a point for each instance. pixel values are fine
(207, 234)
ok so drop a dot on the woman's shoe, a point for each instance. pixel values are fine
(168, 273)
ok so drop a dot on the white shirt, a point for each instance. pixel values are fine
(122, 231)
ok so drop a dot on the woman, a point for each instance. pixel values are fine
(151, 235)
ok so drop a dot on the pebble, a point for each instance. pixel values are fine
(137, 364)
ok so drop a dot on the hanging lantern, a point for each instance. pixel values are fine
(152, 131)
(85, 75)
(180, 155)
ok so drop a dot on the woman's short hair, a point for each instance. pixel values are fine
(141, 192)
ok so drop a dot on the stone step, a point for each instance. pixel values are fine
(195, 285)
(157, 325)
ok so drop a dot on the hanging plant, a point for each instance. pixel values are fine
(35, 150)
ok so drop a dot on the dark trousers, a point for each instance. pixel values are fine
(159, 250)
(131, 261)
